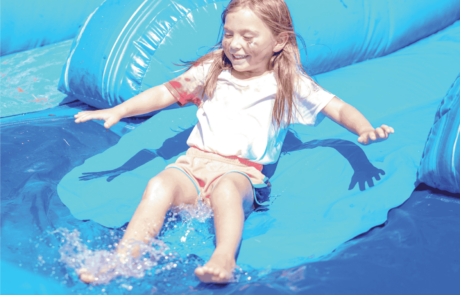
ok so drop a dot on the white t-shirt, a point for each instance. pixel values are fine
(237, 120)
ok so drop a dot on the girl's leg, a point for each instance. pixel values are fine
(231, 200)
(170, 187)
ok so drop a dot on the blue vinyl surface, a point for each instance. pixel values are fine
(325, 178)
(29, 78)
(28, 24)
(342, 218)
(414, 251)
(16, 280)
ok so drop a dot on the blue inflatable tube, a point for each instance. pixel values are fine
(133, 45)
(440, 164)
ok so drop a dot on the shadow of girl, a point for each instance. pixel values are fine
(364, 171)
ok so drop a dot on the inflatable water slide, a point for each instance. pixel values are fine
(341, 217)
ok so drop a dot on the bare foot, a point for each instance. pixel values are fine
(219, 269)
(85, 276)
(104, 275)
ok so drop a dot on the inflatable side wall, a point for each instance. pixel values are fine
(133, 45)
(440, 165)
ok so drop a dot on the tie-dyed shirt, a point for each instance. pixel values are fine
(237, 120)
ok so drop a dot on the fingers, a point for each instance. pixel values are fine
(109, 118)
(378, 134)
(363, 139)
(388, 129)
(89, 115)
(110, 122)
(381, 133)
(367, 137)
(372, 135)
(83, 117)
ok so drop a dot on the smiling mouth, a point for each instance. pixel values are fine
(239, 57)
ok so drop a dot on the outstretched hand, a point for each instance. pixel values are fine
(378, 134)
(110, 116)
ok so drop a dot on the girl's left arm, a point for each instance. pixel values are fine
(350, 118)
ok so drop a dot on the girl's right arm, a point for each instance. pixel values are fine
(153, 99)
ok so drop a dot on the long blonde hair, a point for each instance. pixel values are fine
(285, 63)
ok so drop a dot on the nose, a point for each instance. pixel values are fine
(235, 45)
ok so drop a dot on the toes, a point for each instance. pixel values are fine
(211, 275)
(82, 270)
(212, 270)
(199, 271)
(221, 277)
(87, 278)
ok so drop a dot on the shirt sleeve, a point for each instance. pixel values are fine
(310, 99)
(188, 87)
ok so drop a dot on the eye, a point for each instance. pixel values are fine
(248, 38)
(227, 35)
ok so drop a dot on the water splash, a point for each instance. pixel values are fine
(166, 266)
(105, 265)
(182, 224)
(200, 212)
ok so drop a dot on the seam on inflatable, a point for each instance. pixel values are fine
(126, 43)
(453, 158)
(148, 62)
(76, 45)
(152, 20)
(111, 51)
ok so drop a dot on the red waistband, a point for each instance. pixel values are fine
(241, 160)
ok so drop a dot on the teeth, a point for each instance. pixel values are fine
(239, 56)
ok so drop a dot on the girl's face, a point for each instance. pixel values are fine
(248, 43)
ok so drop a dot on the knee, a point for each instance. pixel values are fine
(159, 188)
(232, 187)
(224, 189)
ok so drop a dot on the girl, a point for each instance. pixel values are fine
(247, 91)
